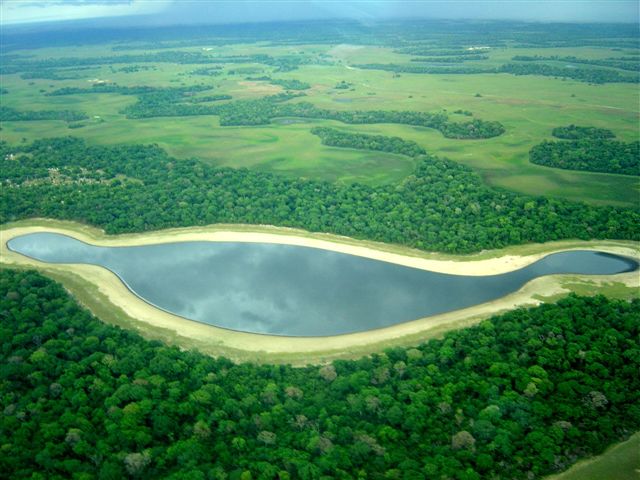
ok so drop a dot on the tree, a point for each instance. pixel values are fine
(135, 463)
(463, 440)
(328, 373)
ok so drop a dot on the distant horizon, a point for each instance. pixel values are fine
(141, 13)
(126, 22)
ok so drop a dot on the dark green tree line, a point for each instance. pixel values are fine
(592, 149)
(261, 111)
(8, 114)
(621, 63)
(441, 52)
(442, 206)
(574, 132)
(589, 75)
(172, 93)
(290, 83)
(286, 83)
(427, 69)
(175, 101)
(453, 59)
(593, 155)
(336, 138)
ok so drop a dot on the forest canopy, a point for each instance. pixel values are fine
(11, 114)
(590, 148)
(82, 399)
(442, 206)
(336, 138)
(262, 110)
(589, 75)
(575, 132)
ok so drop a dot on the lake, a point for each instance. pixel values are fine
(296, 291)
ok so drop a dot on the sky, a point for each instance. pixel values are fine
(166, 12)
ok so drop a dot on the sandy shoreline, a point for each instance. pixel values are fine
(462, 265)
(316, 349)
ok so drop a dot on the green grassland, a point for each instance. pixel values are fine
(528, 106)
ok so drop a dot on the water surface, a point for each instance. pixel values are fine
(298, 291)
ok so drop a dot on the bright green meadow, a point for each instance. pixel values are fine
(528, 106)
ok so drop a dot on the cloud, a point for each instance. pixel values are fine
(52, 3)
(16, 11)
(234, 11)
(228, 11)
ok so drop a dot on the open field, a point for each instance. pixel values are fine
(528, 106)
(107, 297)
(619, 462)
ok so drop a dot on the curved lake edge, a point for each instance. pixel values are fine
(487, 262)
(414, 289)
(100, 290)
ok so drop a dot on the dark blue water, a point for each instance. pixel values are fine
(289, 290)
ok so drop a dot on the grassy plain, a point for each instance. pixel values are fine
(528, 106)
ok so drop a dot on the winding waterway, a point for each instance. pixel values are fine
(296, 291)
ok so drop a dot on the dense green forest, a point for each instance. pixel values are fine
(575, 132)
(589, 75)
(594, 155)
(623, 63)
(407, 36)
(174, 103)
(519, 396)
(209, 98)
(20, 64)
(176, 92)
(214, 71)
(441, 52)
(289, 83)
(161, 101)
(11, 114)
(336, 138)
(286, 83)
(133, 68)
(453, 59)
(443, 206)
(261, 111)
(57, 74)
(427, 69)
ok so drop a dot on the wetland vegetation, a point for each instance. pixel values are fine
(527, 107)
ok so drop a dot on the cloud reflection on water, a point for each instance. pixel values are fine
(291, 290)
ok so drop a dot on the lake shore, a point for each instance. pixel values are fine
(484, 263)
(102, 292)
